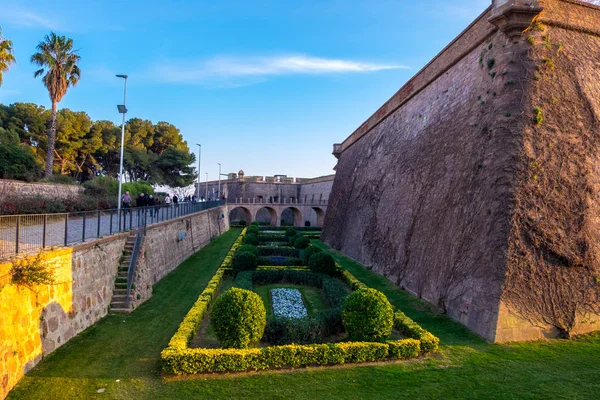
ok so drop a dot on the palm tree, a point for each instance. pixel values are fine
(6, 56)
(59, 64)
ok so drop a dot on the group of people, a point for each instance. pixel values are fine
(148, 200)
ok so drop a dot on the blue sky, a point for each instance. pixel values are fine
(264, 86)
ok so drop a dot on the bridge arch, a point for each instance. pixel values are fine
(292, 214)
(240, 214)
(267, 215)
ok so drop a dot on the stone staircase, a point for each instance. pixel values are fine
(120, 303)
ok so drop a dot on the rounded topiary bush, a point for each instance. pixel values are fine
(290, 232)
(243, 261)
(238, 318)
(255, 223)
(253, 229)
(301, 243)
(250, 239)
(248, 248)
(322, 263)
(308, 252)
(367, 316)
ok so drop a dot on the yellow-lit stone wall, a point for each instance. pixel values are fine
(36, 321)
(23, 314)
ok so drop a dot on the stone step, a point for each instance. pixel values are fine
(122, 274)
(122, 298)
(121, 310)
(119, 285)
(121, 280)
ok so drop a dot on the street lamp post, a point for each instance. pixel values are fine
(206, 187)
(199, 156)
(123, 110)
(219, 181)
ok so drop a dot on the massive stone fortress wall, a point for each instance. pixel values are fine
(18, 189)
(427, 190)
(33, 323)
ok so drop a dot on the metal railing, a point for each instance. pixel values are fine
(284, 201)
(139, 238)
(30, 233)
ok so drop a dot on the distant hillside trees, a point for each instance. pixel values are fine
(85, 149)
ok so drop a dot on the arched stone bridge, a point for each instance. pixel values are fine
(301, 211)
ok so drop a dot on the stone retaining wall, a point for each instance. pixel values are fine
(35, 322)
(12, 189)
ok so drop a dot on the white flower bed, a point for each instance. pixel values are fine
(287, 303)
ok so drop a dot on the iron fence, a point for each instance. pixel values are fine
(30, 233)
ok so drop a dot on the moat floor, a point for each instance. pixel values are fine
(118, 358)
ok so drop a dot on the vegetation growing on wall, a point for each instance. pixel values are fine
(553, 255)
(32, 271)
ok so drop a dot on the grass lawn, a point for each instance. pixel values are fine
(466, 367)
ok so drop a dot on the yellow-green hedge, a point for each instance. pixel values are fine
(194, 361)
(192, 320)
(411, 329)
(354, 283)
(177, 358)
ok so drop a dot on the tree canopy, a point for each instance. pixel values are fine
(85, 149)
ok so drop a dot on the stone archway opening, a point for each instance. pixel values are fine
(267, 216)
(291, 216)
(240, 215)
(316, 217)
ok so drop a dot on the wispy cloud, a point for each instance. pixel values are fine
(29, 19)
(258, 68)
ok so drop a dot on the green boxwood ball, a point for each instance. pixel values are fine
(290, 232)
(243, 261)
(253, 229)
(248, 248)
(309, 251)
(238, 318)
(322, 263)
(302, 243)
(250, 238)
(367, 316)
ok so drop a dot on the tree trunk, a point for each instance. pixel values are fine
(51, 142)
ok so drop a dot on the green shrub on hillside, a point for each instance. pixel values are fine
(18, 162)
(255, 223)
(367, 315)
(238, 318)
(243, 261)
(322, 263)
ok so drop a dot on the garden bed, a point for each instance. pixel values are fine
(180, 358)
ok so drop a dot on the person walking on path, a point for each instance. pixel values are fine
(168, 200)
(126, 200)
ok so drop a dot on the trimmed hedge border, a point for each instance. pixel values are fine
(178, 359)
(297, 228)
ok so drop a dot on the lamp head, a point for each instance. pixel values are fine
(122, 109)
(122, 76)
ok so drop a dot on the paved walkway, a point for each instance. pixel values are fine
(80, 227)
